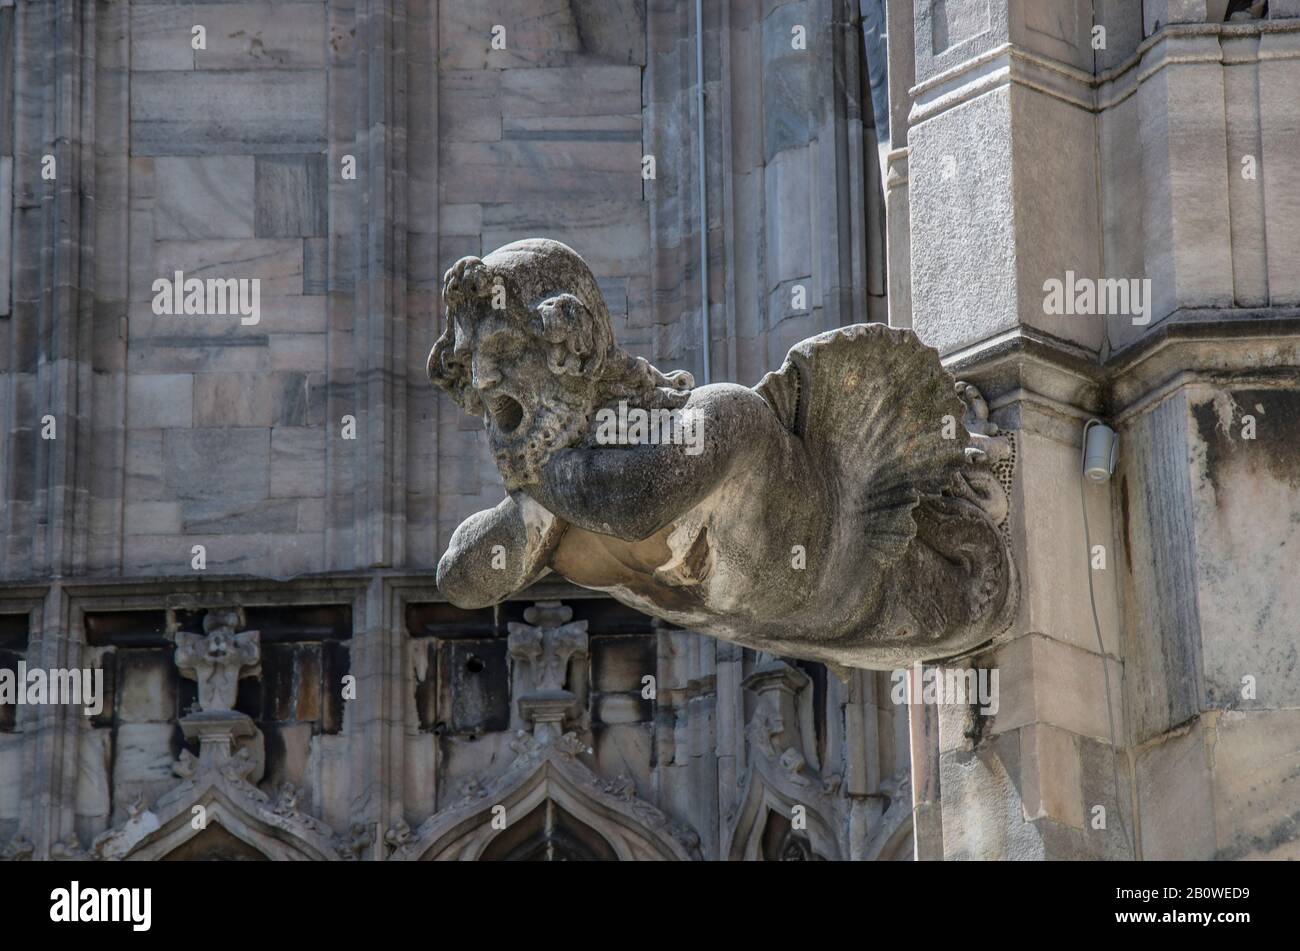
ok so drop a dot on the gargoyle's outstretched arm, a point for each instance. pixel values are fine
(631, 492)
(498, 551)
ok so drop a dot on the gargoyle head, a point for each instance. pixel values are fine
(529, 346)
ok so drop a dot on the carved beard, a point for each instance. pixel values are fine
(557, 421)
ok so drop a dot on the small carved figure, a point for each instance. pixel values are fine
(218, 659)
(839, 511)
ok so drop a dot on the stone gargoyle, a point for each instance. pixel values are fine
(843, 510)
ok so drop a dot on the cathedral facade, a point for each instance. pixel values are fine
(227, 480)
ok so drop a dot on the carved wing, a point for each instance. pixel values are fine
(869, 402)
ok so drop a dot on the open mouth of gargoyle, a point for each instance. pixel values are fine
(507, 412)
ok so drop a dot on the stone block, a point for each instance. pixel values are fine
(1056, 210)
(261, 35)
(291, 194)
(1161, 604)
(1246, 513)
(160, 400)
(1123, 196)
(297, 462)
(460, 219)
(613, 236)
(1099, 765)
(1279, 69)
(1056, 560)
(275, 263)
(1245, 195)
(1051, 781)
(142, 753)
(982, 816)
(964, 276)
(787, 183)
(197, 354)
(469, 105)
(11, 775)
(203, 197)
(1160, 13)
(234, 399)
(161, 37)
(297, 351)
(547, 33)
(152, 518)
(315, 266)
(1174, 797)
(239, 553)
(597, 128)
(566, 91)
(228, 111)
(1042, 680)
(223, 517)
(229, 464)
(539, 171)
(1056, 29)
(1256, 756)
(6, 228)
(788, 101)
(299, 399)
(145, 687)
(144, 464)
(94, 796)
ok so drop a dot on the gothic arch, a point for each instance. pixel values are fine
(628, 827)
(765, 796)
(241, 811)
(891, 839)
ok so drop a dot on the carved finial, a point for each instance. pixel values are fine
(68, 849)
(357, 840)
(286, 803)
(398, 834)
(19, 849)
(186, 765)
(218, 658)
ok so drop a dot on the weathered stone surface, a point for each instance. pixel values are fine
(1245, 508)
(234, 399)
(6, 227)
(290, 196)
(275, 262)
(160, 400)
(542, 398)
(788, 102)
(546, 33)
(226, 161)
(1175, 800)
(265, 35)
(1255, 758)
(227, 111)
(297, 462)
(219, 464)
(203, 197)
(152, 518)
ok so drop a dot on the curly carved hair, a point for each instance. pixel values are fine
(571, 325)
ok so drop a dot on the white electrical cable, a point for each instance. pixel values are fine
(1101, 648)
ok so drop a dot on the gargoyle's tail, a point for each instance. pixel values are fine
(875, 408)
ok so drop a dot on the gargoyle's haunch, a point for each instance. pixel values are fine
(839, 511)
